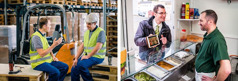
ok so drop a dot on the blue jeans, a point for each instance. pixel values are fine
(82, 69)
(57, 70)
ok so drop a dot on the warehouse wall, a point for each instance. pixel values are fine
(227, 20)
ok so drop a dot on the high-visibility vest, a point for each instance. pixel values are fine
(35, 58)
(90, 43)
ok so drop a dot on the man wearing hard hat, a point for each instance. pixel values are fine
(94, 47)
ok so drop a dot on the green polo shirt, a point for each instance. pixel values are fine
(213, 50)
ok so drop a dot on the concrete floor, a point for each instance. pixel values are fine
(68, 78)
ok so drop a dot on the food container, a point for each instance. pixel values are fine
(157, 71)
(174, 61)
(130, 79)
(144, 76)
(166, 65)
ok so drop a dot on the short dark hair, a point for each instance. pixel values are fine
(157, 7)
(43, 21)
(211, 14)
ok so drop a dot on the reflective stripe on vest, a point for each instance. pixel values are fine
(40, 59)
(35, 58)
(90, 43)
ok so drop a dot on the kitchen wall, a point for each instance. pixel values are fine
(227, 20)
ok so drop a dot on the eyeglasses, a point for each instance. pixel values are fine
(162, 13)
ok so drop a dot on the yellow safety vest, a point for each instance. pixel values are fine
(90, 43)
(35, 58)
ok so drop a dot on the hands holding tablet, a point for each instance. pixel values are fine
(153, 40)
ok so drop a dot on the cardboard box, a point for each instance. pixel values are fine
(4, 54)
(70, 20)
(82, 24)
(101, 20)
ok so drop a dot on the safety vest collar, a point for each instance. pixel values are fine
(40, 32)
(94, 29)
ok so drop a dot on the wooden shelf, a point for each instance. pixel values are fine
(188, 19)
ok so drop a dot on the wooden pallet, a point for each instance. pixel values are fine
(105, 72)
(70, 2)
(113, 53)
(94, 4)
(112, 28)
(36, 1)
(111, 33)
(1, 17)
(15, 1)
(1, 23)
(80, 2)
(114, 6)
(54, 1)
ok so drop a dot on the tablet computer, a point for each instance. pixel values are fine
(152, 41)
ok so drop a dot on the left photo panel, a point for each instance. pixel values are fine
(58, 40)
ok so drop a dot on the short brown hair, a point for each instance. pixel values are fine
(157, 7)
(211, 14)
(43, 21)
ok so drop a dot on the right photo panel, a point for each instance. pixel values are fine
(178, 40)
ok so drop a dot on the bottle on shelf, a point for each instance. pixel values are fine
(187, 11)
(183, 11)
(183, 35)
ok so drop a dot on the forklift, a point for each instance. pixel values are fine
(64, 52)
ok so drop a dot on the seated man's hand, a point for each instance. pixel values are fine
(84, 57)
(163, 39)
(55, 59)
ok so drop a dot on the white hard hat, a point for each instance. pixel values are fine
(91, 18)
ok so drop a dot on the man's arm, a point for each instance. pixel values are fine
(80, 51)
(224, 70)
(139, 39)
(94, 51)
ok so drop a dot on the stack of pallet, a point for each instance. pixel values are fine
(94, 3)
(113, 3)
(1, 1)
(36, 1)
(1, 19)
(11, 19)
(112, 34)
(71, 2)
(84, 2)
(54, 1)
(15, 1)
(105, 72)
(100, 2)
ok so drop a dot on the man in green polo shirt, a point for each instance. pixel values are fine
(212, 62)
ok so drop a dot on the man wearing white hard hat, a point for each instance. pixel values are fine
(93, 49)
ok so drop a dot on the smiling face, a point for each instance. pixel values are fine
(160, 15)
(203, 22)
(91, 26)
